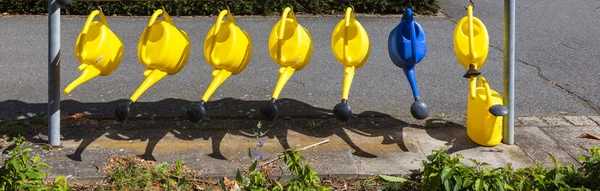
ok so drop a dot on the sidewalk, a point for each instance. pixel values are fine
(361, 147)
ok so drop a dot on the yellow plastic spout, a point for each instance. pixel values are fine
(219, 77)
(471, 38)
(89, 72)
(348, 76)
(152, 76)
(284, 76)
(473, 86)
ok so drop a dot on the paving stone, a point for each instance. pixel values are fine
(537, 144)
(557, 121)
(595, 118)
(569, 141)
(580, 120)
(532, 121)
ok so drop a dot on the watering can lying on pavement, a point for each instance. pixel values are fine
(290, 46)
(228, 49)
(98, 49)
(471, 44)
(485, 112)
(350, 45)
(407, 47)
(163, 49)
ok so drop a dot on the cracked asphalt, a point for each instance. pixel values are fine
(557, 70)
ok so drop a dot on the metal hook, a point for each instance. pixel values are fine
(472, 4)
(228, 10)
(102, 11)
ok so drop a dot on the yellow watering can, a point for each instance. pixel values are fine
(228, 49)
(485, 112)
(350, 45)
(163, 49)
(98, 49)
(290, 46)
(471, 43)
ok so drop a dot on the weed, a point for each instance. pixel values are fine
(313, 125)
(22, 172)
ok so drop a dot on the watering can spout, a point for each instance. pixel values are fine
(473, 86)
(152, 76)
(89, 72)
(219, 77)
(285, 74)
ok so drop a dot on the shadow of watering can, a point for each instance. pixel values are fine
(290, 46)
(350, 45)
(228, 49)
(163, 49)
(485, 112)
(98, 49)
(407, 47)
(471, 44)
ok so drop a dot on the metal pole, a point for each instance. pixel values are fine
(509, 71)
(53, 73)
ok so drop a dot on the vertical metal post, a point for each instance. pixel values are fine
(53, 73)
(509, 71)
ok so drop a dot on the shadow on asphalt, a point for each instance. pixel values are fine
(152, 121)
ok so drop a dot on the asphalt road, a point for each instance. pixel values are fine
(557, 71)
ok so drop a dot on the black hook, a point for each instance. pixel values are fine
(472, 4)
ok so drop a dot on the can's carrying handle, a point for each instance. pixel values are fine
(287, 11)
(349, 17)
(482, 82)
(157, 13)
(90, 18)
(220, 20)
(471, 37)
(218, 27)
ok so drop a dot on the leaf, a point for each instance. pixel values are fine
(253, 167)
(447, 185)
(435, 183)
(36, 159)
(446, 173)
(478, 185)
(238, 176)
(249, 153)
(392, 178)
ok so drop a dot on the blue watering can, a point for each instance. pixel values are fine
(407, 47)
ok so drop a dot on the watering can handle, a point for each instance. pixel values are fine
(287, 11)
(482, 82)
(471, 38)
(220, 20)
(348, 18)
(157, 13)
(90, 18)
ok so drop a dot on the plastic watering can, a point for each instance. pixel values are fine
(350, 45)
(228, 49)
(484, 117)
(163, 49)
(407, 47)
(471, 43)
(290, 46)
(98, 49)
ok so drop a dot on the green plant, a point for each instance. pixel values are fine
(132, 173)
(22, 172)
(16, 127)
(313, 125)
(305, 177)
